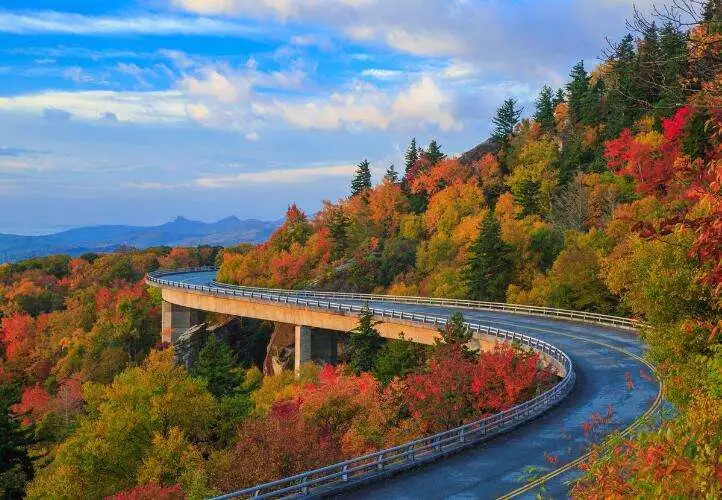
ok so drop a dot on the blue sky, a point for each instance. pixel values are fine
(135, 111)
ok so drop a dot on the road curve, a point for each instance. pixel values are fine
(611, 375)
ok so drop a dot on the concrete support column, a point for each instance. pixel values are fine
(176, 320)
(302, 346)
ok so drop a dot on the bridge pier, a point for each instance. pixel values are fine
(314, 344)
(175, 320)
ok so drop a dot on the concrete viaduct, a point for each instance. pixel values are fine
(602, 355)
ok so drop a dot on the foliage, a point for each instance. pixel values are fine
(488, 270)
(215, 364)
(363, 344)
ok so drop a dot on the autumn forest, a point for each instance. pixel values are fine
(606, 197)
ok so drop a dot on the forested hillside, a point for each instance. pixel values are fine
(607, 197)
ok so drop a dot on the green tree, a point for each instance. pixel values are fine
(411, 157)
(559, 98)
(398, 358)
(507, 116)
(577, 88)
(455, 334)
(364, 343)
(362, 181)
(217, 366)
(544, 114)
(16, 467)
(391, 174)
(527, 194)
(433, 153)
(489, 269)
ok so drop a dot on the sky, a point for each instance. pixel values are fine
(136, 111)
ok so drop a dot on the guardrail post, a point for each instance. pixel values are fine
(304, 486)
(344, 477)
(380, 462)
(462, 437)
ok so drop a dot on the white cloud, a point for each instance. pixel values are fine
(284, 175)
(382, 74)
(214, 84)
(367, 107)
(459, 69)
(78, 24)
(426, 102)
(140, 107)
(252, 136)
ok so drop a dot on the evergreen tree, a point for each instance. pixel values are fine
(527, 195)
(433, 153)
(398, 358)
(362, 181)
(16, 467)
(673, 46)
(507, 116)
(712, 12)
(364, 343)
(216, 364)
(544, 114)
(648, 72)
(559, 98)
(577, 89)
(621, 106)
(411, 156)
(489, 269)
(338, 224)
(391, 174)
(455, 334)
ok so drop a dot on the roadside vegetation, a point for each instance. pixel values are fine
(608, 198)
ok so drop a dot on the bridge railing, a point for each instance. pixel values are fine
(342, 475)
(581, 316)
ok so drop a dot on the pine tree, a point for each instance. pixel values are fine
(527, 195)
(489, 269)
(544, 114)
(16, 467)
(507, 116)
(391, 174)
(364, 343)
(411, 157)
(456, 334)
(559, 98)
(362, 181)
(216, 364)
(433, 153)
(577, 88)
(338, 224)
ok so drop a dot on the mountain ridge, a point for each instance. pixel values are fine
(180, 231)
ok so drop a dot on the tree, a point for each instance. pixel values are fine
(364, 343)
(217, 366)
(488, 271)
(507, 116)
(577, 89)
(16, 468)
(362, 181)
(411, 157)
(391, 174)
(527, 195)
(398, 358)
(544, 114)
(455, 336)
(433, 153)
(559, 98)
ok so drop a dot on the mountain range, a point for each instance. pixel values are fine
(178, 232)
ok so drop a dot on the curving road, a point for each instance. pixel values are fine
(611, 376)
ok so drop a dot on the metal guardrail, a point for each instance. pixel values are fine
(581, 316)
(342, 475)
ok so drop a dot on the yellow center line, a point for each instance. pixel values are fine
(638, 422)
